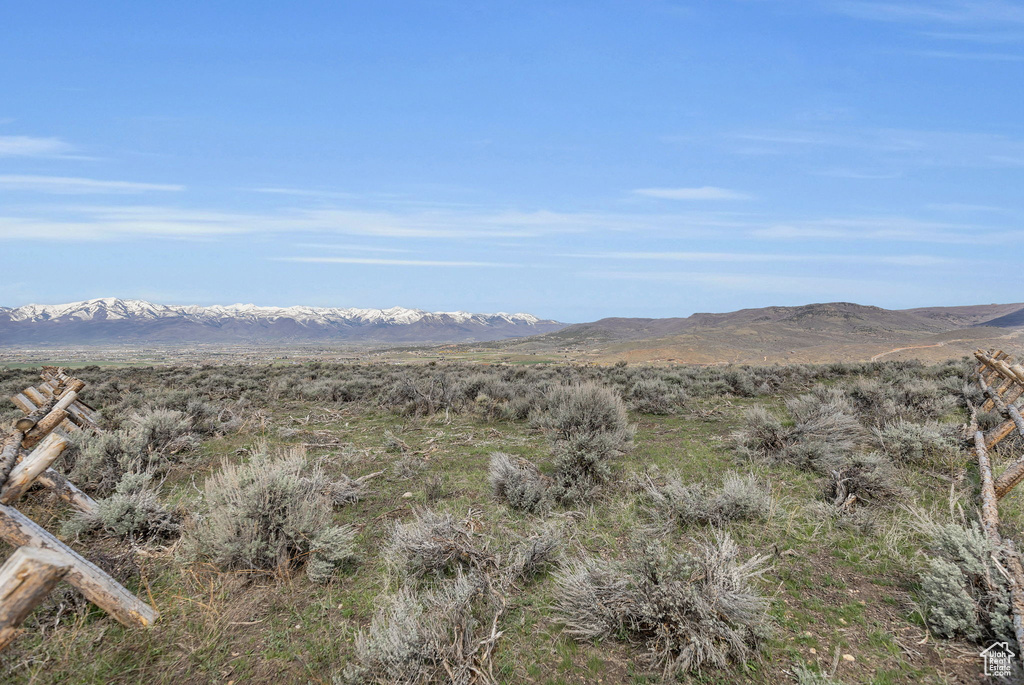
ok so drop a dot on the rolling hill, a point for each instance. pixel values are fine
(809, 333)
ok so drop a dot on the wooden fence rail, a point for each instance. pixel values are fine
(53, 410)
(1002, 382)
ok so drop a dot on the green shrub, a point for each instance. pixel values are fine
(654, 396)
(915, 443)
(533, 555)
(740, 497)
(421, 638)
(952, 612)
(273, 513)
(868, 477)
(824, 432)
(133, 511)
(518, 483)
(587, 427)
(688, 610)
(963, 592)
(431, 543)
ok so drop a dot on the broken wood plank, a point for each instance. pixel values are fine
(44, 428)
(994, 436)
(37, 397)
(1007, 410)
(23, 475)
(28, 422)
(82, 419)
(1016, 572)
(1009, 478)
(65, 400)
(989, 511)
(74, 385)
(24, 403)
(1001, 390)
(26, 578)
(9, 454)
(98, 587)
(66, 490)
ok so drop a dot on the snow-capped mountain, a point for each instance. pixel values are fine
(111, 320)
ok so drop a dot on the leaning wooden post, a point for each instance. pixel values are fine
(1001, 391)
(25, 580)
(66, 399)
(66, 490)
(39, 398)
(1016, 570)
(29, 421)
(79, 418)
(49, 422)
(996, 435)
(23, 403)
(989, 511)
(990, 524)
(36, 462)
(9, 454)
(74, 385)
(1007, 410)
(1006, 371)
(1014, 393)
(98, 587)
(1013, 474)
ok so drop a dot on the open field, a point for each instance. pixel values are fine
(841, 580)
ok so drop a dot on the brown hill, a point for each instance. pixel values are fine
(835, 331)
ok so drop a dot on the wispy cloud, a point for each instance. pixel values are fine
(390, 262)
(989, 37)
(63, 185)
(701, 193)
(299, 192)
(352, 248)
(963, 207)
(969, 56)
(858, 175)
(124, 222)
(29, 146)
(765, 258)
(396, 230)
(819, 287)
(884, 229)
(892, 149)
(956, 12)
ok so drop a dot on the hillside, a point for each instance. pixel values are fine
(837, 331)
(1011, 320)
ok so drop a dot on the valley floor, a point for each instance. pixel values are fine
(843, 591)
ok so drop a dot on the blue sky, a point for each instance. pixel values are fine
(574, 160)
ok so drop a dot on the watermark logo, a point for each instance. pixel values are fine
(998, 660)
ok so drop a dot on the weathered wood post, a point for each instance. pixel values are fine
(26, 578)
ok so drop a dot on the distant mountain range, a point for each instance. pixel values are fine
(814, 332)
(114, 321)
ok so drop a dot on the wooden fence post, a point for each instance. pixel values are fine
(98, 587)
(35, 463)
(25, 580)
